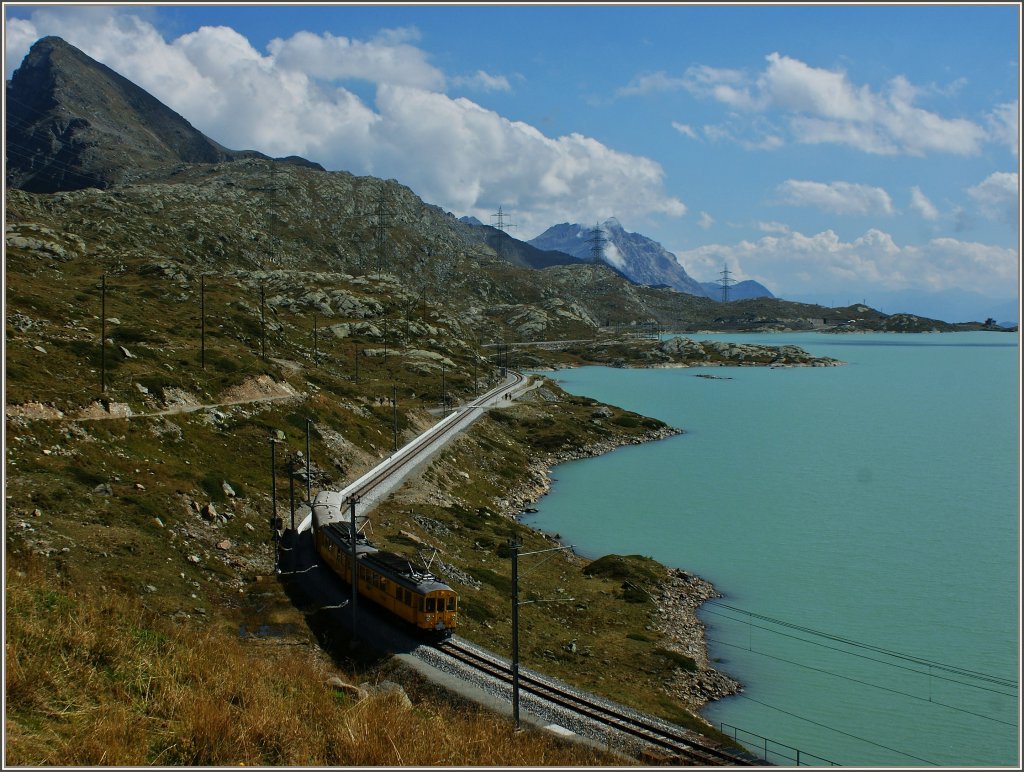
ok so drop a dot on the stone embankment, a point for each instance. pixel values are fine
(682, 594)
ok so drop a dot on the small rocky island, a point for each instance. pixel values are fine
(673, 352)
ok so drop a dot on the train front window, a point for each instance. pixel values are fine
(451, 603)
(430, 604)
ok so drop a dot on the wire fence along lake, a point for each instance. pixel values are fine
(862, 523)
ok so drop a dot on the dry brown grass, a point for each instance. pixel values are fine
(94, 678)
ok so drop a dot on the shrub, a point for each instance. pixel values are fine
(678, 659)
(502, 584)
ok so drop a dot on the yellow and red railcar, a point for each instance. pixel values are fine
(406, 589)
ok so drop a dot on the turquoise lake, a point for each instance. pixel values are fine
(862, 524)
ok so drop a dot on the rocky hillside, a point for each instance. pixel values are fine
(139, 190)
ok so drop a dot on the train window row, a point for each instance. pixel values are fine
(440, 604)
(403, 595)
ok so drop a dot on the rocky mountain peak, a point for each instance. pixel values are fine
(637, 257)
(73, 123)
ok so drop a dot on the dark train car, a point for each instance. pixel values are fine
(406, 589)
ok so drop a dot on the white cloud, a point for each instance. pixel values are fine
(651, 83)
(921, 204)
(613, 256)
(836, 197)
(383, 60)
(488, 158)
(1004, 126)
(482, 81)
(19, 35)
(705, 220)
(793, 86)
(825, 106)
(998, 197)
(289, 100)
(729, 86)
(764, 142)
(793, 264)
(685, 130)
(773, 227)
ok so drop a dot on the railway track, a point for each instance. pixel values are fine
(674, 744)
(391, 467)
(455, 423)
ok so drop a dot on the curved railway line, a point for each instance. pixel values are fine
(674, 743)
(669, 743)
(440, 431)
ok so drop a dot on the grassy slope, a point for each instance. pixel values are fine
(117, 594)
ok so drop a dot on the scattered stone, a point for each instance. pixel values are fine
(356, 692)
(159, 522)
(210, 512)
(40, 349)
(128, 354)
(193, 558)
(140, 487)
(224, 545)
(391, 690)
(103, 489)
(150, 588)
(228, 490)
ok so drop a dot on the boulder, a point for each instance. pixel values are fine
(355, 692)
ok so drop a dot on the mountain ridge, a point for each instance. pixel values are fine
(638, 257)
(741, 290)
(241, 210)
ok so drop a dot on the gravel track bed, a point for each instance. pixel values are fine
(546, 712)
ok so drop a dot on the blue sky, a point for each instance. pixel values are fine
(833, 153)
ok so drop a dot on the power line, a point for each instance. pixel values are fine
(724, 283)
(999, 681)
(597, 241)
(839, 731)
(866, 683)
(862, 656)
(502, 235)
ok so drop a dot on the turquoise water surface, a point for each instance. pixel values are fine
(861, 522)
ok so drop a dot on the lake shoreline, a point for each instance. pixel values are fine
(678, 596)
